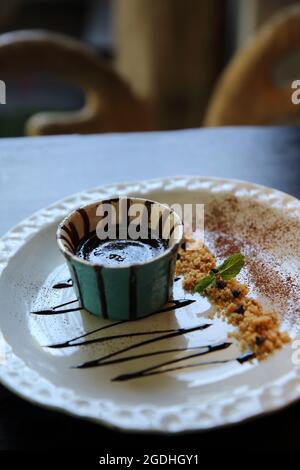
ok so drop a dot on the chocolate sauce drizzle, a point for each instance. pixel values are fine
(172, 334)
(153, 370)
(209, 348)
(63, 284)
(54, 310)
(160, 368)
(154, 353)
(174, 305)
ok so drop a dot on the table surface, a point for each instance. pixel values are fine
(34, 172)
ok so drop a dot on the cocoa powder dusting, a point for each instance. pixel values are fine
(270, 241)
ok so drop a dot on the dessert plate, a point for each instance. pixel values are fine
(175, 370)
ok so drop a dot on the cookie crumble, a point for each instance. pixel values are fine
(257, 329)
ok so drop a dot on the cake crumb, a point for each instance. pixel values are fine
(194, 265)
(256, 329)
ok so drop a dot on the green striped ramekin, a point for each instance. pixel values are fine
(125, 292)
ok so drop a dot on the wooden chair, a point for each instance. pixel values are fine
(110, 105)
(246, 93)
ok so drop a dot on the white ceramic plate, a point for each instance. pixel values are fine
(187, 393)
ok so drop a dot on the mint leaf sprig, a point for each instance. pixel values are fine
(229, 269)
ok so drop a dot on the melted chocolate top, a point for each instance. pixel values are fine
(120, 251)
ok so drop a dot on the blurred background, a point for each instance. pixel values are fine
(170, 52)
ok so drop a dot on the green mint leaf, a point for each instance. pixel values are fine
(205, 282)
(232, 266)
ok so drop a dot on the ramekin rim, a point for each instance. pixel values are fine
(171, 249)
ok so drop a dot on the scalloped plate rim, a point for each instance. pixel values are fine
(105, 420)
